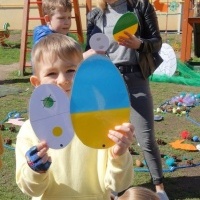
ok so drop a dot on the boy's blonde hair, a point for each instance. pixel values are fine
(49, 6)
(139, 193)
(55, 46)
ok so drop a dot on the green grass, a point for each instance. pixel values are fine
(11, 52)
(181, 184)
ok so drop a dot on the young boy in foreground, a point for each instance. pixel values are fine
(76, 171)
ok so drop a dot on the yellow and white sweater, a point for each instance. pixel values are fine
(76, 172)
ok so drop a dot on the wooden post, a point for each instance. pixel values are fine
(187, 28)
(24, 37)
(78, 20)
(88, 6)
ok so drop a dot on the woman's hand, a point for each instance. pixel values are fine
(123, 136)
(131, 41)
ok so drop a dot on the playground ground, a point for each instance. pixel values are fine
(173, 39)
(181, 184)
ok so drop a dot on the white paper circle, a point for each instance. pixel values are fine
(99, 42)
(169, 64)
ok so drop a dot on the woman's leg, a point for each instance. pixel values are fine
(142, 118)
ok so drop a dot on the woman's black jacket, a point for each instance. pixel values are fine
(149, 33)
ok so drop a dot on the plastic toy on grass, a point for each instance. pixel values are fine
(170, 162)
(188, 99)
(180, 104)
(195, 138)
(158, 118)
(16, 121)
(178, 144)
(198, 147)
(170, 169)
(13, 116)
(185, 134)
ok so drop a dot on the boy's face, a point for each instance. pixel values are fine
(60, 22)
(59, 72)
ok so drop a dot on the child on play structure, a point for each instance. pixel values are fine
(76, 171)
(57, 15)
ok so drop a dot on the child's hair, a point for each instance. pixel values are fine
(55, 46)
(139, 193)
(49, 6)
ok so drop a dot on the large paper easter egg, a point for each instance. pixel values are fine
(99, 101)
(169, 64)
(49, 111)
(127, 22)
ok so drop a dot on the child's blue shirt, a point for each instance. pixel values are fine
(40, 32)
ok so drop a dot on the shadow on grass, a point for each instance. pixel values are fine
(19, 79)
(11, 46)
(183, 187)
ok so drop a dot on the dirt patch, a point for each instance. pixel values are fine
(15, 37)
(5, 70)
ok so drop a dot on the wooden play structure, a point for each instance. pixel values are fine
(190, 24)
(26, 33)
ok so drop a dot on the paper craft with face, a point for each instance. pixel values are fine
(127, 22)
(50, 116)
(99, 42)
(99, 101)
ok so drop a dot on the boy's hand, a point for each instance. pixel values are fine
(91, 52)
(37, 158)
(123, 136)
(88, 53)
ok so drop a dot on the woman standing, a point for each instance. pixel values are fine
(136, 57)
